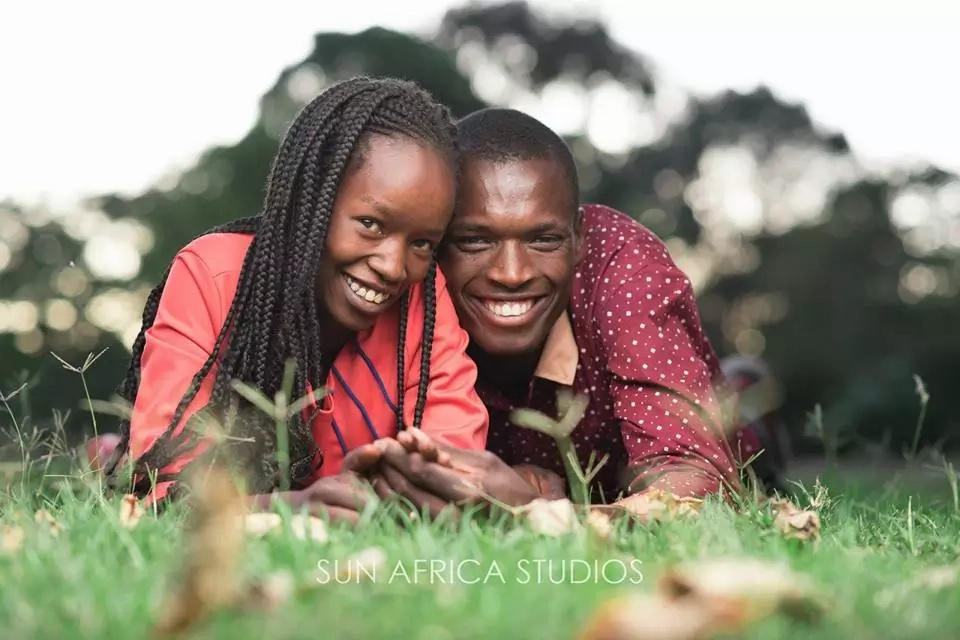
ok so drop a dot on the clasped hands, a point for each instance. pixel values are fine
(430, 475)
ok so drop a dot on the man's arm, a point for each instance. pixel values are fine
(662, 370)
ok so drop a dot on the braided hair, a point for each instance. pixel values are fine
(274, 314)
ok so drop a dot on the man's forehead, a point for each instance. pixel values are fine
(534, 171)
(516, 193)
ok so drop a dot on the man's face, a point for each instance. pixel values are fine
(510, 252)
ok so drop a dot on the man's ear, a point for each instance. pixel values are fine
(578, 233)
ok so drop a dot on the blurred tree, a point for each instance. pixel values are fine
(843, 281)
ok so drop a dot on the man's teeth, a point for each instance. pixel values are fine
(367, 294)
(509, 309)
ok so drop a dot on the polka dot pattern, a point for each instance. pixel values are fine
(650, 371)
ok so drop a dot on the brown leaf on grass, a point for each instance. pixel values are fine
(261, 523)
(738, 591)
(700, 600)
(795, 523)
(304, 527)
(647, 617)
(214, 539)
(43, 517)
(939, 577)
(599, 524)
(657, 504)
(363, 565)
(551, 517)
(130, 511)
(932, 578)
(307, 527)
(11, 538)
(270, 592)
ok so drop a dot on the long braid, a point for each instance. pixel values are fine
(429, 320)
(401, 348)
(274, 315)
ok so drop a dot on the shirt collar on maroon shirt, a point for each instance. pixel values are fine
(558, 363)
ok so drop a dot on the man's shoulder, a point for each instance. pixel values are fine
(612, 236)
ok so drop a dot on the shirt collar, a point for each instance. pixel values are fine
(560, 356)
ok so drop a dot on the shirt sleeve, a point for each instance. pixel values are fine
(176, 346)
(662, 369)
(453, 412)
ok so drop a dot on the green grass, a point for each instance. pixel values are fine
(96, 579)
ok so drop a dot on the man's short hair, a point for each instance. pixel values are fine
(503, 135)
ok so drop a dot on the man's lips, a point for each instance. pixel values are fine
(511, 309)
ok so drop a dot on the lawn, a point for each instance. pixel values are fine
(485, 576)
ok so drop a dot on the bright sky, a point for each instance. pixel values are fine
(108, 95)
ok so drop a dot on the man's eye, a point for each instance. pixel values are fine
(423, 245)
(547, 241)
(471, 241)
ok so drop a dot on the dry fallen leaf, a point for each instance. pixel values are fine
(656, 504)
(363, 565)
(261, 523)
(939, 577)
(551, 517)
(308, 528)
(740, 590)
(303, 527)
(599, 524)
(214, 539)
(699, 600)
(44, 517)
(130, 511)
(933, 578)
(794, 523)
(647, 617)
(11, 538)
(270, 592)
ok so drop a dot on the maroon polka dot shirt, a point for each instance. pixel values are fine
(633, 341)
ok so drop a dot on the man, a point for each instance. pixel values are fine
(558, 296)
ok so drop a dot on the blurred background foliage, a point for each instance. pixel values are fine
(843, 280)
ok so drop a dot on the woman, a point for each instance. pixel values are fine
(336, 273)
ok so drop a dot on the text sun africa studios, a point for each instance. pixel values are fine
(526, 571)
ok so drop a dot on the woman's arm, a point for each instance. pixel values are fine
(176, 346)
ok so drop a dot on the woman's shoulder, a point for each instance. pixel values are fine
(218, 252)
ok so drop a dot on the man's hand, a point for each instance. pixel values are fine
(550, 485)
(435, 474)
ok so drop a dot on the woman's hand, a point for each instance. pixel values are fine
(441, 478)
(342, 498)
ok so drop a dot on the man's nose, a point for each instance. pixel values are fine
(512, 267)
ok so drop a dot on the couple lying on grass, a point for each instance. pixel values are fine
(426, 277)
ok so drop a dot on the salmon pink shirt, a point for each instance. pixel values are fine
(360, 402)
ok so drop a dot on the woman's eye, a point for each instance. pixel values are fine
(369, 223)
(423, 245)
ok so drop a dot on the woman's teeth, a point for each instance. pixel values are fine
(369, 295)
(509, 309)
